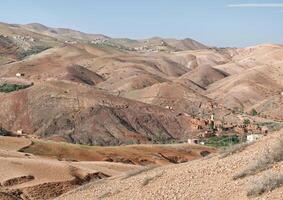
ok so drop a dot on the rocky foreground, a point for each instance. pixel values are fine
(208, 178)
(41, 170)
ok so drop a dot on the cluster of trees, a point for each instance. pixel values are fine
(4, 132)
(6, 87)
(33, 50)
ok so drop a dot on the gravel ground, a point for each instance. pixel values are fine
(208, 178)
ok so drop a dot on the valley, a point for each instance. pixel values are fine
(90, 116)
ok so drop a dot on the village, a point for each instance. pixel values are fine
(241, 133)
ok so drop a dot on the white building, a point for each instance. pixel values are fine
(169, 107)
(19, 75)
(253, 137)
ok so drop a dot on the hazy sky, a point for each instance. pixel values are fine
(213, 22)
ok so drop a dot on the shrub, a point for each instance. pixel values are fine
(162, 138)
(234, 149)
(259, 165)
(246, 122)
(272, 125)
(267, 183)
(33, 50)
(4, 132)
(270, 156)
(254, 112)
(149, 179)
(137, 171)
(12, 87)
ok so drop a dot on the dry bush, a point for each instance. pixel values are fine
(137, 171)
(234, 149)
(270, 156)
(17, 180)
(263, 163)
(150, 178)
(108, 194)
(266, 183)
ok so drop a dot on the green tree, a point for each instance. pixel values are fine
(254, 112)
(246, 122)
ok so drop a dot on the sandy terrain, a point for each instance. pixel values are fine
(38, 170)
(130, 154)
(25, 176)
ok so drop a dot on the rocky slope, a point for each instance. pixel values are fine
(88, 93)
(211, 178)
(81, 114)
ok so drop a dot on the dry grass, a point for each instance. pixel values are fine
(108, 194)
(234, 149)
(266, 183)
(138, 171)
(270, 156)
(149, 179)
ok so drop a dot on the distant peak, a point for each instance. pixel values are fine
(37, 26)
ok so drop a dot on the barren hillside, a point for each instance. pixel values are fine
(212, 178)
(64, 94)
(40, 170)
(179, 90)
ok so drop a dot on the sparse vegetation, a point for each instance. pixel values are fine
(112, 45)
(270, 156)
(254, 112)
(161, 138)
(4, 132)
(246, 122)
(148, 179)
(234, 149)
(6, 87)
(33, 50)
(108, 194)
(272, 125)
(17, 180)
(138, 171)
(266, 183)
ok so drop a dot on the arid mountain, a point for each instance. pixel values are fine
(81, 114)
(88, 91)
(8, 49)
(151, 44)
(62, 33)
(61, 86)
(260, 78)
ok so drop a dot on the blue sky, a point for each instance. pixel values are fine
(213, 22)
